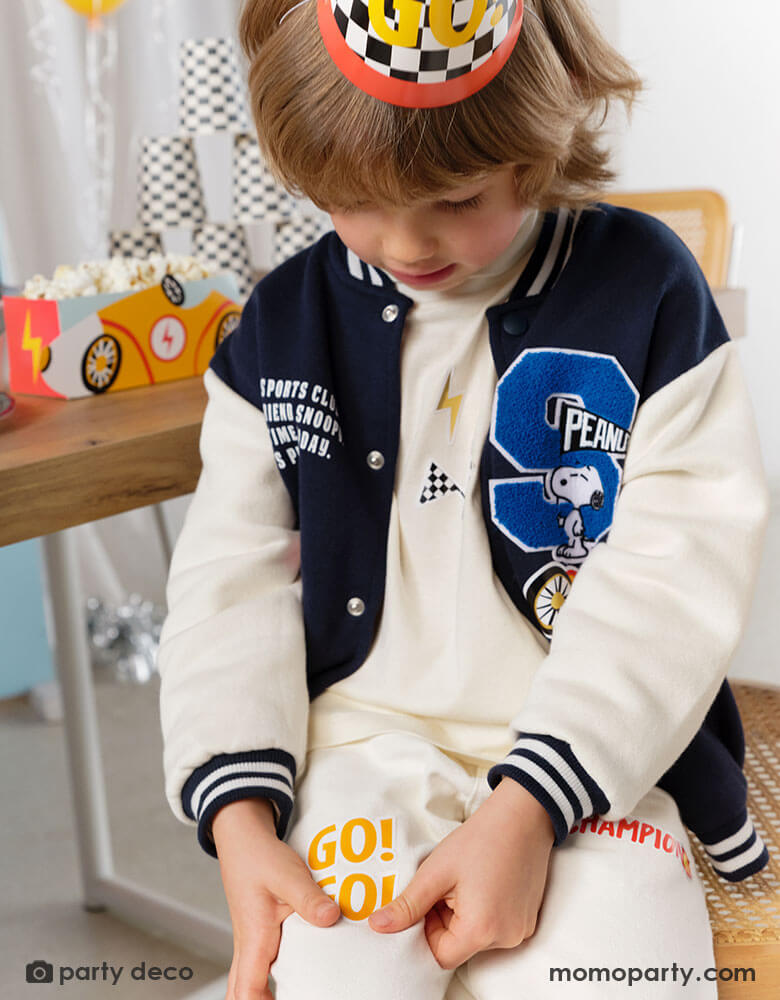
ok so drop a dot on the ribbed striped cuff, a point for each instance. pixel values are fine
(741, 854)
(548, 769)
(268, 774)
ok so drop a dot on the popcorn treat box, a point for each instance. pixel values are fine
(102, 343)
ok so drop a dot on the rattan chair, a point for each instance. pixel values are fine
(745, 916)
(700, 219)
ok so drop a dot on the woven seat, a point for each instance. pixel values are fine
(745, 916)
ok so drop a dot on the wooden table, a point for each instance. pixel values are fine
(63, 463)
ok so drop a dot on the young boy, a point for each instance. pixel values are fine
(476, 533)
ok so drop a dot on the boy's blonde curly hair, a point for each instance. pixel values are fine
(326, 139)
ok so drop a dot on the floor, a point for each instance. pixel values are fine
(41, 917)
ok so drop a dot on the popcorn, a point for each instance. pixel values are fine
(117, 274)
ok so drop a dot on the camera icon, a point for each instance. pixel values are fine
(40, 972)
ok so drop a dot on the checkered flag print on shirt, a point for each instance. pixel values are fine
(427, 61)
(211, 95)
(438, 484)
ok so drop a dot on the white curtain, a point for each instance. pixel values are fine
(46, 181)
(44, 170)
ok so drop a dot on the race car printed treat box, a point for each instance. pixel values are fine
(74, 347)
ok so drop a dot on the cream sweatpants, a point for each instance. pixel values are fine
(623, 914)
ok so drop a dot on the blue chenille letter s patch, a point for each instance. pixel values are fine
(563, 419)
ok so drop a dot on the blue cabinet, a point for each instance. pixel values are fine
(25, 657)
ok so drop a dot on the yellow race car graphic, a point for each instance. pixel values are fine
(163, 333)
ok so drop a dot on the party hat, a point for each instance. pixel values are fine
(420, 53)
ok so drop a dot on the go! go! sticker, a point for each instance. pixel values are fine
(359, 841)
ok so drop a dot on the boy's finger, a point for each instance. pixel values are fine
(252, 965)
(292, 882)
(426, 888)
(449, 948)
(231, 983)
(310, 902)
(250, 987)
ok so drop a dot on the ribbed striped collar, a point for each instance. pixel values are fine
(548, 260)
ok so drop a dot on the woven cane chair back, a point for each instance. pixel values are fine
(700, 219)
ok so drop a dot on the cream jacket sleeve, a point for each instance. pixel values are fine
(233, 698)
(643, 642)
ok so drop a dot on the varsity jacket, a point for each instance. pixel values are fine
(622, 493)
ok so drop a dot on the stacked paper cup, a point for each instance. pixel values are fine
(223, 246)
(136, 242)
(256, 195)
(297, 233)
(212, 100)
(170, 194)
(211, 93)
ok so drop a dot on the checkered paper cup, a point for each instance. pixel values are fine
(223, 247)
(211, 91)
(170, 194)
(296, 234)
(256, 195)
(138, 243)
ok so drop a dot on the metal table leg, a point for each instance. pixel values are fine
(102, 887)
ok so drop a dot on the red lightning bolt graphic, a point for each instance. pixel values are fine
(167, 338)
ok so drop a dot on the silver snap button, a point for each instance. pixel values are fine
(375, 460)
(356, 607)
(390, 313)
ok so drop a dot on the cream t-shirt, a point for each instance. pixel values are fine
(452, 657)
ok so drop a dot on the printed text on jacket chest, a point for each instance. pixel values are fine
(301, 416)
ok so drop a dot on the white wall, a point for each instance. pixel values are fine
(710, 117)
(45, 177)
(607, 14)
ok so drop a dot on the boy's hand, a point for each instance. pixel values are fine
(264, 881)
(482, 886)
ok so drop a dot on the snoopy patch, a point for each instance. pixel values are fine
(563, 419)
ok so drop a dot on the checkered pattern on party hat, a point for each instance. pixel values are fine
(420, 53)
